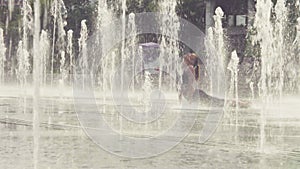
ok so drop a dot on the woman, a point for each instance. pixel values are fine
(190, 92)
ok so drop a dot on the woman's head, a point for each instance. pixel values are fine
(191, 59)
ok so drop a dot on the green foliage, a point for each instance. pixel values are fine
(193, 11)
(10, 26)
(137, 6)
(252, 49)
(79, 10)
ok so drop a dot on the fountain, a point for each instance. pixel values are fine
(84, 67)
(216, 49)
(270, 36)
(63, 72)
(233, 89)
(169, 55)
(103, 40)
(50, 128)
(37, 48)
(23, 71)
(132, 51)
(23, 55)
(278, 62)
(59, 12)
(271, 39)
(294, 75)
(43, 55)
(2, 57)
(70, 53)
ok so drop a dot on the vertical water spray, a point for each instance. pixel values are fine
(24, 67)
(27, 20)
(219, 47)
(219, 36)
(233, 90)
(270, 36)
(233, 68)
(45, 16)
(210, 48)
(215, 46)
(264, 36)
(147, 90)
(83, 50)
(63, 73)
(280, 51)
(161, 61)
(2, 57)
(9, 51)
(11, 8)
(123, 54)
(70, 53)
(45, 43)
(27, 25)
(251, 85)
(270, 25)
(54, 13)
(22, 71)
(297, 58)
(59, 12)
(123, 58)
(170, 26)
(132, 46)
(36, 81)
(103, 40)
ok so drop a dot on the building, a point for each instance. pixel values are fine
(238, 15)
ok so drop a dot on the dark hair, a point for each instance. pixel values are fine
(197, 72)
(195, 63)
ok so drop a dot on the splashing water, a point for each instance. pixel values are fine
(233, 68)
(132, 49)
(123, 54)
(215, 46)
(63, 73)
(295, 67)
(264, 35)
(83, 49)
(24, 67)
(59, 12)
(147, 89)
(2, 57)
(169, 55)
(70, 53)
(27, 23)
(270, 36)
(36, 82)
(278, 64)
(10, 8)
(45, 44)
(23, 64)
(209, 45)
(233, 88)
(219, 36)
(23, 55)
(103, 40)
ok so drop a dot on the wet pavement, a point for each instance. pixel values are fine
(237, 142)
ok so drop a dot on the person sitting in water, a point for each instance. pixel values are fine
(191, 74)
